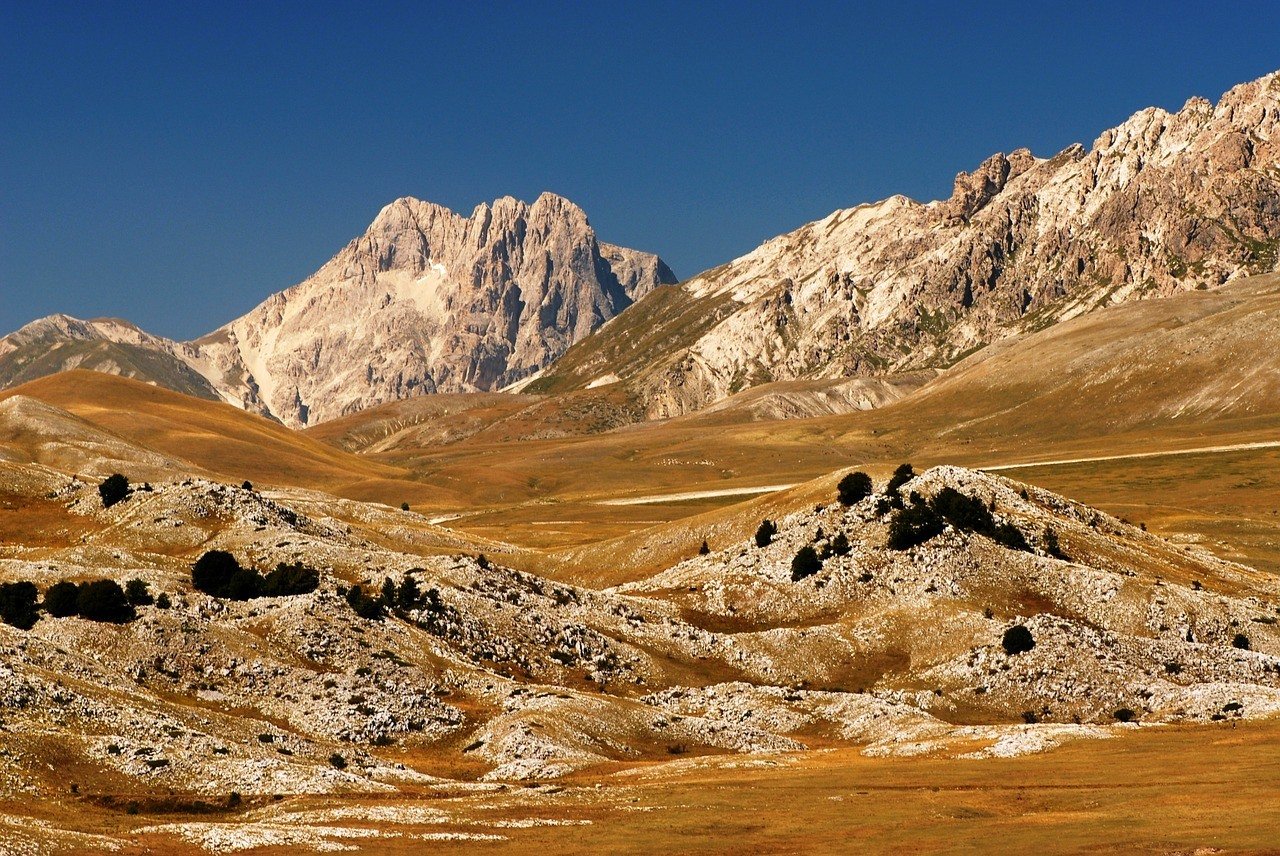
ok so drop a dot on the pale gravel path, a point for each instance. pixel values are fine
(1238, 447)
(696, 494)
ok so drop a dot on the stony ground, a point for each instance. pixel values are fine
(495, 676)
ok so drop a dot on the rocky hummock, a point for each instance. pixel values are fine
(1164, 202)
(892, 650)
(425, 301)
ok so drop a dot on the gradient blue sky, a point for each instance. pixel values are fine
(175, 165)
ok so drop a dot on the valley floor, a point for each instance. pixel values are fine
(1201, 789)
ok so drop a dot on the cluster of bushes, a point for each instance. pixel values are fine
(920, 520)
(219, 574)
(96, 600)
(408, 595)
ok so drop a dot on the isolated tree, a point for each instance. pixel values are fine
(482, 561)
(1124, 714)
(805, 563)
(1017, 640)
(162, 601)
(764, 535)
(901, 476)
(853, 488)
(388, 593)
(114, 488)
(18, 604)
(138, 593)
(213, 571)
(404, 506)
(1240, 641)
(248, 485)
(60, 599)
(704, 549)
(104, 600)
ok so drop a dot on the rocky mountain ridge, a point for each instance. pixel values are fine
(425, 301)
(1164, 202)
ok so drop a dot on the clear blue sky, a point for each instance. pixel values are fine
(175, 166)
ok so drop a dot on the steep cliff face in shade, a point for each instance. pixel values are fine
(1164, 202)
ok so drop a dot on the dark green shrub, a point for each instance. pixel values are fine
(290, 579)
(483, 562)
(1008, 535)
(338, 762)
(901, 476)
(60, 599)
(1052, 545)
(162, 601)
(104, 600)
(963, 511)
(138, 593)
(913, 525)
(1124, 714)
(1240, 641)
(404, 506)
(388, 595)
(805, 563)
(764, 535)
(213, 571)
(245, 584)
(18, 604)
(114, 488)
(1017, 640)
(408, 595)
(248, 485)
(363, 605)
(853, 488)
(704, 549)
(840, 545)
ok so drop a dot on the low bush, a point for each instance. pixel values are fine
(290, 579)
(104, 600)
(704, 549)
(764, 535)
(219, 574)
(18, 604)
(853, 488)
(138, 593)
(1240, 641)
(114, 488)
(1017, 640)
(60, 599)
(805, 563)
(903, 474)
(1124, 714)
(913, 525)
(363, 605)
(213, 571)
(839, 545)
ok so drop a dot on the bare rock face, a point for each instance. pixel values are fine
(1164, 202)
(424, 301)
(429, 301)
